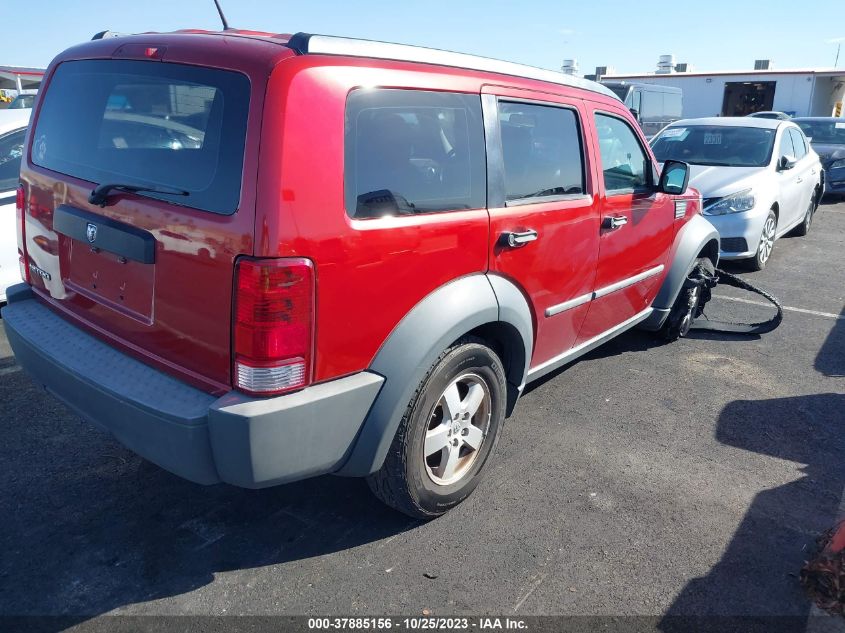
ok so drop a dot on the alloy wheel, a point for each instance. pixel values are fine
(457, 428)
(767, 240)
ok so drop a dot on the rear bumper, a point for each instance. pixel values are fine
(248, 442)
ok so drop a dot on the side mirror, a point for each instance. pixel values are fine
(636, 113)
(674, 178)
(786, 162)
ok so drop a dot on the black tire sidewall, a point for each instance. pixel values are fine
(472, 358)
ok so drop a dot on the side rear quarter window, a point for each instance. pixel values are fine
(542, 152)
(413, 151)
(624, 161)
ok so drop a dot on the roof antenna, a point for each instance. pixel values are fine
(222, 17)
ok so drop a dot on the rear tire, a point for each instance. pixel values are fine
(690, 302)
(448, 432)
(767, 243)
(802, 229)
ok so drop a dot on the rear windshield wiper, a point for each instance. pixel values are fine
(101, 192)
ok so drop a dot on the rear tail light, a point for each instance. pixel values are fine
(273, 325)
(20, 210)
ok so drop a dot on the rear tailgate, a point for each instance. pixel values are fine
(149, 272)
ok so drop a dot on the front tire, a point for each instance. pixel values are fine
(767, 243)
(448, 432)
(690, 302)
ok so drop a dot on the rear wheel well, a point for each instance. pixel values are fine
(504, 339)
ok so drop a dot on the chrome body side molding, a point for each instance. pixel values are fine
(630, 281)
(601, 292)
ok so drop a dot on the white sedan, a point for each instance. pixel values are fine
(13, 125)
(759, 179)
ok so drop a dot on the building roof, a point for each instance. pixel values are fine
(21, 70)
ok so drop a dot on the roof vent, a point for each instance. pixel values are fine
(682, 67)
(570, 67)
(666, 64)
(762, 64)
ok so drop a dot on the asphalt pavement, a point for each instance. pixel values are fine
(645, 479)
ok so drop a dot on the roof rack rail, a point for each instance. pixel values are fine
(306, 43)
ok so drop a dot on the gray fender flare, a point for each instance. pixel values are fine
(697, 236)
(436, 322)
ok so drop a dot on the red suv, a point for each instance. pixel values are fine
(256, 258)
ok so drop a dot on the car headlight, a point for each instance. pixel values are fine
(837, 164)
(735, 203)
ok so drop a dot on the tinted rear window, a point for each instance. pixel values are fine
(413, 151)
(147, 124)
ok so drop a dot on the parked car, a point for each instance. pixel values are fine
(372, 295)
(12, 131)
(22, 102)
(652, 105)
(827, 138)
(770, 114)
(758, 177)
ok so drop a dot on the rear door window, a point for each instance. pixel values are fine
(413, 151)
(542, 152)
(147, 124)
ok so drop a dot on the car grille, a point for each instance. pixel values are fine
(734, 244)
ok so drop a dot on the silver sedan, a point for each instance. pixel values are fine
(759, 179)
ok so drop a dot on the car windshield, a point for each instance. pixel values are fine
(824, 132)
(727, 146)
(620, 91)
(21, 102)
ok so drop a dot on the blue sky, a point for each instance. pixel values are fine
(714, 35)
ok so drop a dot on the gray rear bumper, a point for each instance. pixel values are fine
(248, 442)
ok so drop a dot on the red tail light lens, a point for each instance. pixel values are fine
(19, 200)
(274, 325)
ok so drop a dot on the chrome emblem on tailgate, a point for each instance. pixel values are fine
(35, 270)
(91, 232)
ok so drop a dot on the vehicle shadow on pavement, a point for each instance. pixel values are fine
(758, 572)
(89, 527)
(830, 360)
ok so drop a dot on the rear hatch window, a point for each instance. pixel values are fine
(148, 124)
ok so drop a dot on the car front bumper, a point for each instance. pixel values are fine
(740, 232)
(835, 181)
(248, 442)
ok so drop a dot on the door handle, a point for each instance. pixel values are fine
(614, 222)
(520, 238)
(799, 179)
